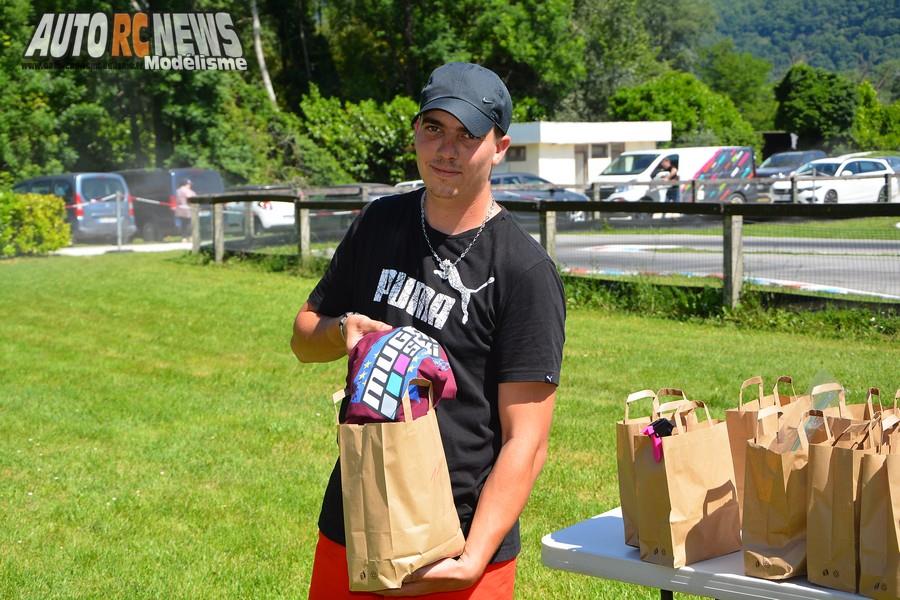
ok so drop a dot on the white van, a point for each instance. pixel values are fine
(628, 177)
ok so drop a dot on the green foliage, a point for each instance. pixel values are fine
(609, 63)
(816, 105)
(704, 304)
(698, 115)
(743, 78)
(32, 224)
(876, 125)
(676, 27)
(831, 34)
(371, 141)
(384, 49)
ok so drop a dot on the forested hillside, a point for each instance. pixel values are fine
(838, 35)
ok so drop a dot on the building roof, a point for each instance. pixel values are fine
(555, 132)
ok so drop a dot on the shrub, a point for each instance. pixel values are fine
(32, 224)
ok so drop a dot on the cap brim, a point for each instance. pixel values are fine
(475, 121)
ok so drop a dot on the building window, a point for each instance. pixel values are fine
(515, 154)
(599, 150)
(616, 149)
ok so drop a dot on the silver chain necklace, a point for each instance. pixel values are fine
(445, 265)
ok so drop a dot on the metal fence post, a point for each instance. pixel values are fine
(693, 190)
(219, 231)
(793, 189)
(733, 253)
(195, 228)
(301, 222)
(887, 188)
(548, 232)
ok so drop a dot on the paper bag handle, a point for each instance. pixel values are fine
(867, 427)
(763, 414)
(407, 406)
(801, 428)
(824, 388)
(784, 379)
(870, 408)
(693, 404)
(635, 396)
(336, 399)
(760, 394)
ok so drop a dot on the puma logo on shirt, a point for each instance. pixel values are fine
(413, 296)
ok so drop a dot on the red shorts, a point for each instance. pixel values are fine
(330, 580)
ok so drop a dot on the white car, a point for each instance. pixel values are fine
(846, 179)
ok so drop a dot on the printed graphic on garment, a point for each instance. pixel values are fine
(413, 296)
(389, 366)
(450, 274)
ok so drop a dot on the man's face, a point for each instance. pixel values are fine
(452, 162)
(665, 163)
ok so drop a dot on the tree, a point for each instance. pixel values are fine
(677, 27)
(609, 63)
(816, 105)
(743, 78)
(698, 114)
(388, 48)
(876, 126)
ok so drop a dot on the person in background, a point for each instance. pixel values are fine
(183, 208)
(673, 193)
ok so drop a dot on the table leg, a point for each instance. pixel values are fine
(666, 595)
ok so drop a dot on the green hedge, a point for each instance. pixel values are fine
(32, 224)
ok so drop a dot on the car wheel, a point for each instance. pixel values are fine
(736, 199)
(831, 197)
(149, 232)
(882, 195)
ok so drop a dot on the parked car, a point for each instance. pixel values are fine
(782, 164)
(553, 193)
(408, 186)
(268, 214)
(850, 180)
(629, 177)
(154, 196)
(90, 202)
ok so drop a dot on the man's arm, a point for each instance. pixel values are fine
(526, 411)
(317, 338)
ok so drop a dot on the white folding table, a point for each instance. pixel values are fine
(596, 547)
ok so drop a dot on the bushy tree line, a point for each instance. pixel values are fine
(346, 75)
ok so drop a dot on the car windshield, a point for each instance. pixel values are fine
(101, 188)
(781, 160)
(827, 169)
(629, 164)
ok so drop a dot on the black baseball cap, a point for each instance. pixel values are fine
(471, 93)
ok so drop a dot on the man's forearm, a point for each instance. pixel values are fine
(316, 338)
(504, 496)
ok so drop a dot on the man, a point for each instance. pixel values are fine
(673, 193)
(183, 207)
(449, 261)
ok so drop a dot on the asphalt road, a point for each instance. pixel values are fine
(857, 266)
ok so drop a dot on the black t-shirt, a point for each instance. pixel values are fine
(505, 323)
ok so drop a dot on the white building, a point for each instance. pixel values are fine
(576, 153)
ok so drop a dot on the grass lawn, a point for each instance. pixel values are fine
(159, 440)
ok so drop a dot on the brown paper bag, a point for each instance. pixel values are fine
(833, 511)
(742, 421)
(626, 429)
(398, 506)
(687, 502)
(850, 412)
(773, 524)
(879, 521)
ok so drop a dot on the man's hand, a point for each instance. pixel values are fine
(447, 575)
(357, 325)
